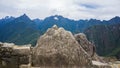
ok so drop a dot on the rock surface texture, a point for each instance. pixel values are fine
(88, 46)
(85, 44)
(11, 55)
(58, 47)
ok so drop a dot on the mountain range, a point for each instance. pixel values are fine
(22, 30)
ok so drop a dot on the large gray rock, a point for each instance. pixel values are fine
(91, 50)
(85, 44)
(58, 47)
(88, 47)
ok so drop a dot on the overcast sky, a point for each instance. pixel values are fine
(73, 9)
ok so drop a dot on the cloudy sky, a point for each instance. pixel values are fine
(73, 9)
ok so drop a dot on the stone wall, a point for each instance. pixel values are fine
(12, 56)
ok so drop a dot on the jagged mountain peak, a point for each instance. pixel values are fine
(58, 16)
(9, 17)
(115, 19)
(24, 16)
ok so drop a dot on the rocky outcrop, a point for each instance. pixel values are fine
(88, 46)
(58, 47)
(85, 44)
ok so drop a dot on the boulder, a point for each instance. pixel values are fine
(85, 44)
(88, 46)
(58, 47)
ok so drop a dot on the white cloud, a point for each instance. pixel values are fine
(74, 9)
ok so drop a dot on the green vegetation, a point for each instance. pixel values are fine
(106, 38)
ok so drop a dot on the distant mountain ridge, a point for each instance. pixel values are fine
(22, 30)
(72, 25)
(5, 20)
(60, 21)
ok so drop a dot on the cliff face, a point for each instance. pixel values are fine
(58, 47)
(88, 47)
(85, 44)
(106, 39)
